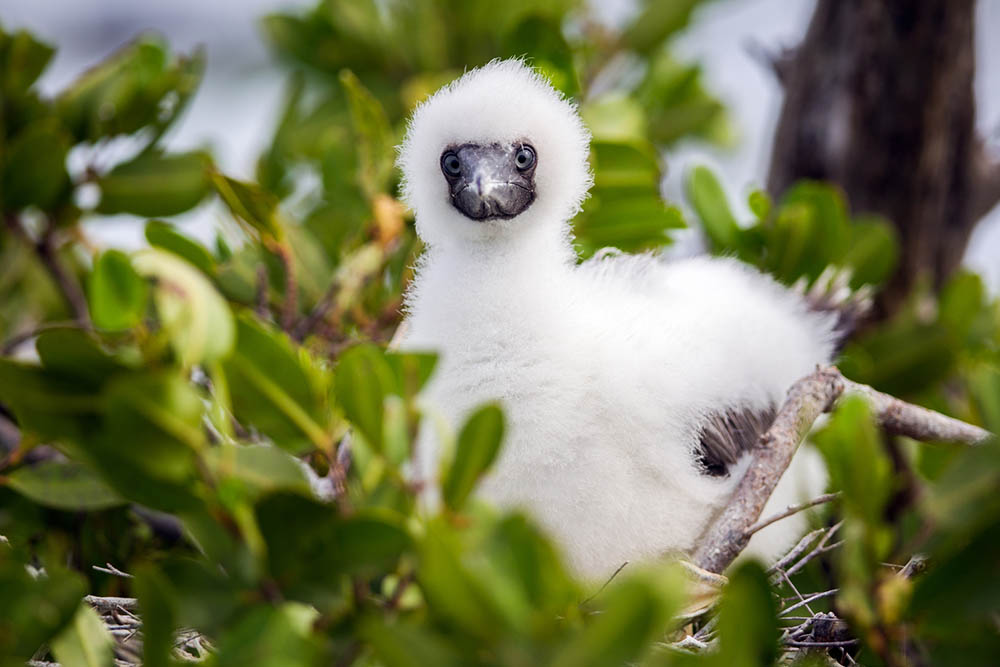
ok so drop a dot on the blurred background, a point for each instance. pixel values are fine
(178, 390)
(237, 105)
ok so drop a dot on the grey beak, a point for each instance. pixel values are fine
(489, 185)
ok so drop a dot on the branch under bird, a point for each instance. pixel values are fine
(633, 386)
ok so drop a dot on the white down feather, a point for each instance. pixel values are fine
(605, 370)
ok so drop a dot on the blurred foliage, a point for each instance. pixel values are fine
(181, 411)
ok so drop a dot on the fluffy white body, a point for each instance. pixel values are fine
(607, 370)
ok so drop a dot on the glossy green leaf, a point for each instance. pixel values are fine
(154, 184)
(364, 379)
(408, 645)
(118, 296)
(194, 315)
(374, 135)
(157, 608)
(278, 635)
(262, 467)
(709, 201)
(634, 612)
(250, 203)
(277, 388)
(77, 356)
(135, 87)
(748, 629)
(161, 235)
(873, 252)
(34, 610)
(478, 446)
(855, 459)
(656, 21)
(85, 642)
(34, 166)
(311, 547)
(23, 58)
(64, 485)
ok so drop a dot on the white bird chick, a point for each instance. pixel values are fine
(632, 387)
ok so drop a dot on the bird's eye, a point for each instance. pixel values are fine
(525, 157)
(450, 164)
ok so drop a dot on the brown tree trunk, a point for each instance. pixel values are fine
(879, 99)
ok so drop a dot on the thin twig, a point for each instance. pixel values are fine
(261, 298)
(792, 509)
(797, 550)
(811, 598)
(318, 313)
(111, 569)
(291, 305)
(107, 604)
(47, 251)
(845, 642)
(605, 584)
(819, 549)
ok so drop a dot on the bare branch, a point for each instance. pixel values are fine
(104, 604)
(901, 418)
(792, 509)
(806, 401)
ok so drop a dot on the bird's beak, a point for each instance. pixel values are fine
(490, 186)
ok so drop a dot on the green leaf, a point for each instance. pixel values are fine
(709, 201)
(311, 548)
(856, 460)
(195, 316)
(542, 37)
(262, 467)
(47, 404)
(153, 184)
(278, 388)
(374, 136)
(117, 294)
(34, 610)
(760, 203)
(408, 645)
(250, 203)
(161, 235)
(64, 485)
(280, 636)
(478, 445)
(24, 59)
(364, 379)
(158, 610)
(635, 612)
(615, 118)
(34, 167)
(656, 21)
(135, 87)
(412, 370)
(77, 356)
(85, 642)
(748, 628)
(146, 443)
(873, 252)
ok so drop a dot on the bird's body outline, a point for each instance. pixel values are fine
(608, 370)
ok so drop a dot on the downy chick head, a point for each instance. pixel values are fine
(497, 152)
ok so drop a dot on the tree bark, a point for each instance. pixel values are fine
(879, 99)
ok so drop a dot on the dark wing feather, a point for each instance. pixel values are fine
(726, 435)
